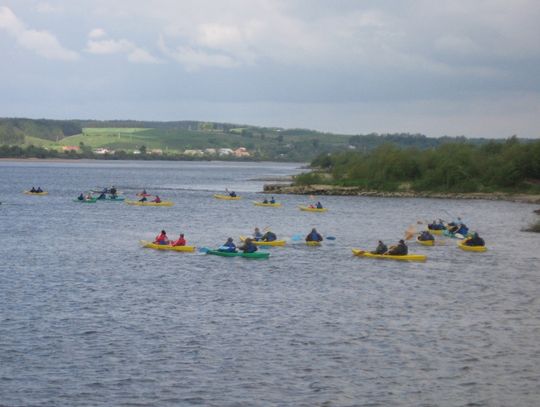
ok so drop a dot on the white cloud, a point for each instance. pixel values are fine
(97, 33)
(193, 59)
(42, 43)
(99, 46)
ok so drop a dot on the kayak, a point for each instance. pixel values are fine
(227, 197)
(93, 200)
(119, 199)
(308, 209)
(151, 245)
(471, 248)
(255, 255)
(438, 232)
(270, 205)
(407, 257)
(141, 194)
(425, 242)
(313, 243)
(447, 233)
(148, 203)
(261, 243)
(36, 193)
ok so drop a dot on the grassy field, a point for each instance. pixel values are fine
(267, 143)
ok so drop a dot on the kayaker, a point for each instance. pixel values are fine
(436, 225)
(272, 201)
(248, 246)
(162, 238)
(228, 246)
(463, 229)
(257, 235)
(33, 190)
(113, 191)
(180, 241)
(474, 240)
(400, 249)
(265, 201)
(156, 199)
(88, 197)
(314, 236)
(143, 199)
(269, 236)
(381, 248)
(81, 197)
(39, 190)
(232, 194)
(319, 205)
(425, 236)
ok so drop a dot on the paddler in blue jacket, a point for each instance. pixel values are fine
(248, 246)
(228, 246)
(314, 236)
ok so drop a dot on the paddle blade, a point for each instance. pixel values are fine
(203, 249)
(297, 237)
(330, 238)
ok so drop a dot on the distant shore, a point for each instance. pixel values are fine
(356, 191)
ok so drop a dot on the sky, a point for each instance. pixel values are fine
(453, 68)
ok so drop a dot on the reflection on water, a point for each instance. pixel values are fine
(90, 318)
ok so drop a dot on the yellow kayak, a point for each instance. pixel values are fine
(261, 243)
(436, 231)
(271, 205)
(151, 245)
(308, 209)
(471, 248)
(407, 257)
(148, 203)
(227, 197)
(36, 193)
(313, 243)
(426, 242)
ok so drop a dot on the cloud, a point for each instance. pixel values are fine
(193, 59)
(99, 45)
(97, 33)
(43, 43)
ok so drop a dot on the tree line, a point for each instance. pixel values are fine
(511, 165)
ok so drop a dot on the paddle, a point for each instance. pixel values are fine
(410, 232)
(203, 249)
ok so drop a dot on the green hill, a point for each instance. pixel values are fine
(264, 143)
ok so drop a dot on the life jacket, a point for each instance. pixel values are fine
(180, 242)
(161, 238)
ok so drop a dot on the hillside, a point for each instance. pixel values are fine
(191, 138)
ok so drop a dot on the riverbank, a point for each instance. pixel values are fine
(356, 191)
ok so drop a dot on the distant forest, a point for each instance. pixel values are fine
(44, 138)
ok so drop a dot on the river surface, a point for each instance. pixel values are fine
(89, 318)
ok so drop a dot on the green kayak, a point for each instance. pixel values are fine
(93, 200)
(256, 255)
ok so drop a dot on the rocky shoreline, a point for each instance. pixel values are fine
(356, 191)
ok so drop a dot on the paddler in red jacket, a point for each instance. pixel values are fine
(162, 238)
(180, 242)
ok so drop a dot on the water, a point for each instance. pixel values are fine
(88, 318)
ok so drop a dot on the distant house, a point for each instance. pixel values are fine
(156, 151)
(103, 150)
(71, 148)
(193, 152)
(225, 151)
(210, 151)
(241, 152)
